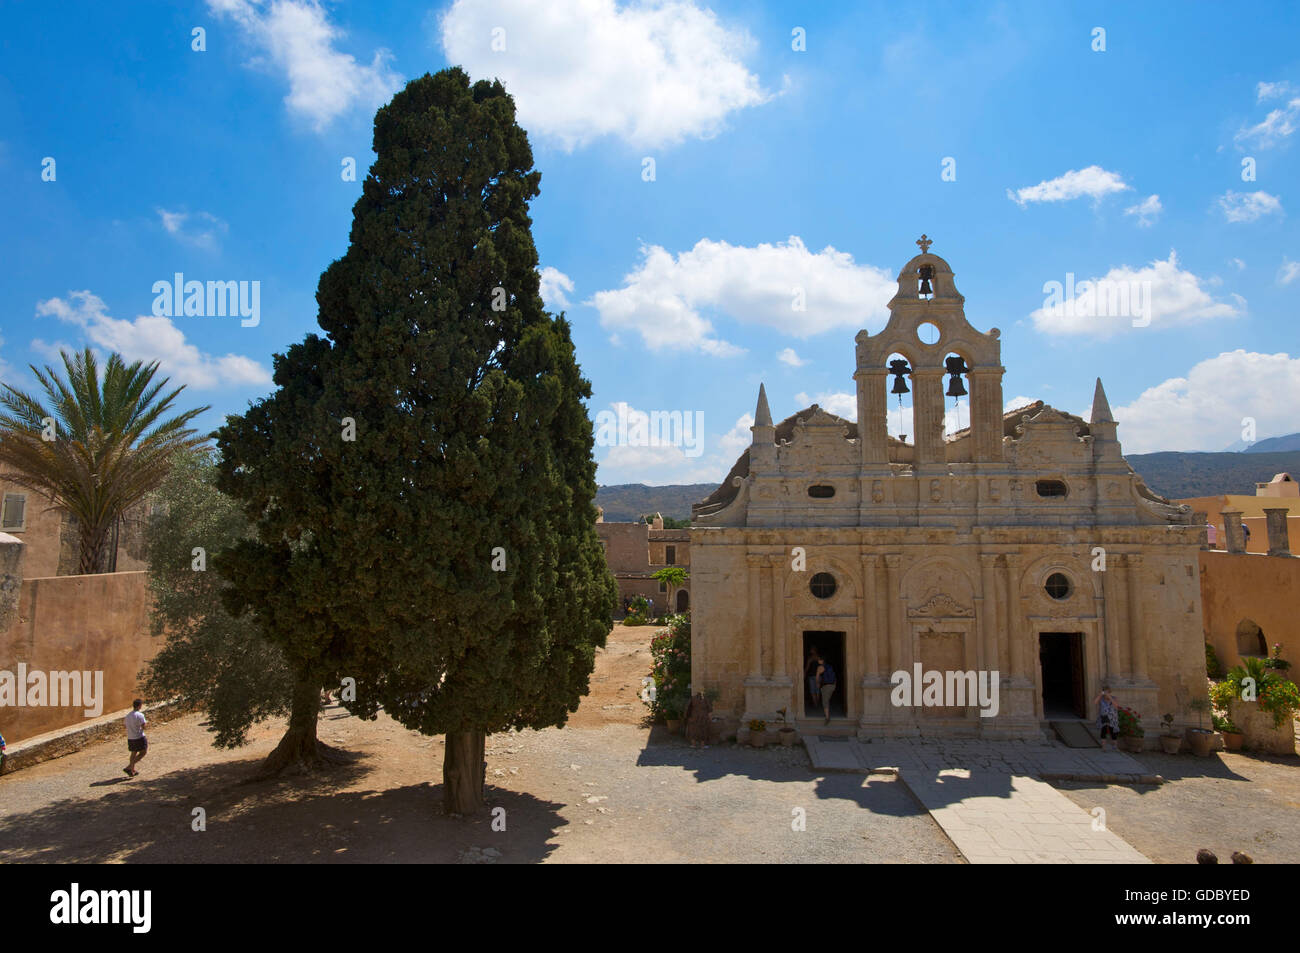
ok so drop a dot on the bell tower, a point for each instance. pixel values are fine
(927, 296)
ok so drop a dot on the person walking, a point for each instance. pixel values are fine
(136, 742)
(810, 670)
(3, 756)
(826, 685)
(1107, 717)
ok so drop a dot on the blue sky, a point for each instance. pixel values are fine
(1166, 158)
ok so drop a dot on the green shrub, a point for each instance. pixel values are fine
(1213, 668)
(1254, 681)
(670, 651)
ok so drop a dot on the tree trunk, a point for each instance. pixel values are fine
(462, 773)
(299, 751)
(94, 543)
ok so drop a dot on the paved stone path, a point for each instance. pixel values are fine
(988, 798)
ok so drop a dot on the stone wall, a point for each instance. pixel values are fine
(1250, 588)
(50, 537)
(77, 623)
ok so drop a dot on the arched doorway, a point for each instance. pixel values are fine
(683, 600)
(1250, 638)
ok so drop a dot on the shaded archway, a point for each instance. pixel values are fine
(1250, 638)
(683, 600)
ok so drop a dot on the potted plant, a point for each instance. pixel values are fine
(1232, 736)
(1131, 732)
(1200, 739)
(1261, 702)
(758, 732)
(786, 732)
(1170, 739)
(1275, 661)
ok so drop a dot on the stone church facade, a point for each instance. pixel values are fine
(1024, 547)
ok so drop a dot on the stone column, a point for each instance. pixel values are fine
(873, 419)
(776, 575)
(1015, 633)
(1234, 540)
(765, 623)
(1278, 542)
(867, 639)
(986, 611)
(1137, 637)
(927, 415)
(1112, 603)
(894, 613)
(754, 564)
(986, 413)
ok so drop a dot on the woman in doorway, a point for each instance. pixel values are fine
(826, 686)
(1107, 717)
(810, 670)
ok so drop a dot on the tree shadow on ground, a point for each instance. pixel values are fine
(878, 794)
(297, 819)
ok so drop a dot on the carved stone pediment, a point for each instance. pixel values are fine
(940, 606)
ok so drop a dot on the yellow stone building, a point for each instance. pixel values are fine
(1024, 549)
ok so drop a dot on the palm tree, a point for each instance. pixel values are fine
(93, 447)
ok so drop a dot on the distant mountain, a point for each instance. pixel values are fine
(1172, 474)
(1179, 475)
(628, 502)
(1275, 444)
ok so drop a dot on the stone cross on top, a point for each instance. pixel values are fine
(924, 244)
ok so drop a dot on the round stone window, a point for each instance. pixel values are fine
(1058, 585)
(822, 585)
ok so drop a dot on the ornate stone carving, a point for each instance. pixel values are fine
(940, 606)
(877, 491)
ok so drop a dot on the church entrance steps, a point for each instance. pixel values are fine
(1075, 734)
(988, 796)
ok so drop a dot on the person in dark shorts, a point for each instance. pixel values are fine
(1107, 717)
(825, 686)
(136, 742)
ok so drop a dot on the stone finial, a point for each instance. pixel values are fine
(924, 244)
(762, 414)
(1278, 542)
(1100, 406)
(1234, 540)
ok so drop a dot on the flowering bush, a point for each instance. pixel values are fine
(1276, 661)
(1254, 680)
(670, 650)
(1130, 723)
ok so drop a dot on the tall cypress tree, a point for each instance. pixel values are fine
(459, 522)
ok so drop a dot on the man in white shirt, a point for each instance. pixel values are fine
(136, 742)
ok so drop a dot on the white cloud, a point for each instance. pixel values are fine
(1272, 90)
(324, 82)
(1147, 211)
(788, 356)
(1279, 124)
(1205, 409)
(840, 403)
(658, 465)
(1015, 402)
(1158, 295)
(1094, 182)
(1237, 263)
(202, 231)
(1289, 271)
(650, 73)
(1248, 206)
(149, 338)
(554, 286)
(663, 299)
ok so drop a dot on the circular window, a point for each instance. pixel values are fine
(927, 333)
(1057, 585)
(822, 585)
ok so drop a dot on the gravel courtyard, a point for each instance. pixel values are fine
(602, 789)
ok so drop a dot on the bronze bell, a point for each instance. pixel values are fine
(898, 369)
(927, 272)
(956, 367)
